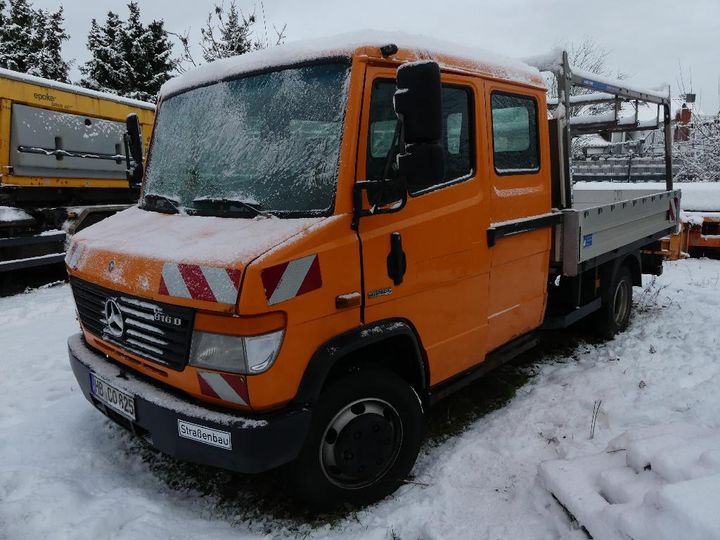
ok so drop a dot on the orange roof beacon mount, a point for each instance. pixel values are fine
(331, 238)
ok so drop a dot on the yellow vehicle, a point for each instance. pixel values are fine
(332, 239)
(62, 164)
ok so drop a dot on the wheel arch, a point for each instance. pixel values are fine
(390, 343)
(631, 261)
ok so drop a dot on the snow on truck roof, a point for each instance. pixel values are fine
(445, 53)
(73, 89)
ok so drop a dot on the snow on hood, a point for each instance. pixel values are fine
(344, 45)
(190, 239)
(130, 249)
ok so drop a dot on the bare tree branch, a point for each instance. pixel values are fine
(186, 56)
(280, 34)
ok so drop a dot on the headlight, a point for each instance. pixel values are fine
(236, 354)
(260, 351)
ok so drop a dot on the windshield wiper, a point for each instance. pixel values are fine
(226, 204)
(163, 204)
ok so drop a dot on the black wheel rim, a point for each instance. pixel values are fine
(621, 302)
(361, 443)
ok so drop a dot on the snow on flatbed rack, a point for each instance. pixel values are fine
(551, 61)
(345, 45)
(663, 93)
(68, 472)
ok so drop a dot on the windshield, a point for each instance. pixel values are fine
(269, 141)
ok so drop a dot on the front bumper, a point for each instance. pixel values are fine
(258, 443)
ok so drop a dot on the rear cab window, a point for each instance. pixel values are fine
(516, 148)
(457, 139)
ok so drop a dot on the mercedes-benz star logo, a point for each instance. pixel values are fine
(114, 323)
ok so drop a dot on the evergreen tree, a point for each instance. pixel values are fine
(160, 61)
(226, 33)
(230, 35)
(17, 36)
(45, 58)
(106, 70)
(3, 44)
(132, 44)
(31, 40)
(128, 58)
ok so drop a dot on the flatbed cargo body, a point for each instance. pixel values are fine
(601, 223)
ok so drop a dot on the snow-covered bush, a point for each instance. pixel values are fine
(698, 158)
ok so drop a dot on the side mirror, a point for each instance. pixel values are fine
(418, 106)
(133, 150)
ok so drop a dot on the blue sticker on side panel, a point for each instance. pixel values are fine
(587, 240)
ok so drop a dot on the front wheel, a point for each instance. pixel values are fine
(614, 315)
(364, 438)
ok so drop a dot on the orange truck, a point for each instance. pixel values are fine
(699, 235)
(332, 238)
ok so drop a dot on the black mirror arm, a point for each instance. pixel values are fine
(133, 151)
(130, 164)
(363, 186)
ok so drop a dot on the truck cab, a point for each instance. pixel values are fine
(327, 241)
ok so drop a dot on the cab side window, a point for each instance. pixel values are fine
(515, 133)
(383, 134)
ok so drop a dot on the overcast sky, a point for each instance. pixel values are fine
(648, 39)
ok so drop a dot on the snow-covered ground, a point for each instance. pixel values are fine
(656, 483)
(67, 472)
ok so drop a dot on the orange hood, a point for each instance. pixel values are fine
(176, 258)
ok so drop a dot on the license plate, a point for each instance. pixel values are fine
(119, 401)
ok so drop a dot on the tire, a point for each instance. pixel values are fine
(614, 315)
(373, 407)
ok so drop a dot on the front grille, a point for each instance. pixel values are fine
(151, 330)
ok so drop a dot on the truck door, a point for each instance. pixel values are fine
(519, 174)
(443, 292)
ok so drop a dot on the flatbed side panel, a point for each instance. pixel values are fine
(589, 198)
(605, 228)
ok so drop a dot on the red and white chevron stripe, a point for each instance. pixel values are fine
(74, 254)
(200, 282)
(232, 388)
(293, 278)
(674, 213)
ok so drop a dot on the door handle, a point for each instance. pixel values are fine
(396, 260)
(348, 300)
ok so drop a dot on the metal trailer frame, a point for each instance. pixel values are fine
(608, 93)
(48, 247)
(599, 230)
